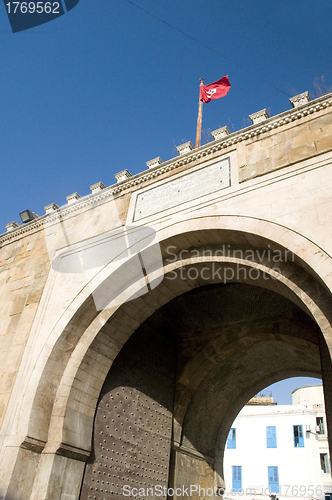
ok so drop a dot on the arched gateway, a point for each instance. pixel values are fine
(140, 319)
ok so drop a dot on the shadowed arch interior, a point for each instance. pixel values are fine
(227, 340)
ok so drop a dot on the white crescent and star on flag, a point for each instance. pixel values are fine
(211, 92)
(215, 90)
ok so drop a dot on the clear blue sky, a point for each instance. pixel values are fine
(108, 87)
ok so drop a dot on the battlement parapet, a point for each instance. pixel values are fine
(155, 162)
(223, 140)
(259, 116)
(123, 176)
(185, 148)
(300, 100)
(49, 209)
(12, 225)
(220, 133)
(98, 186)
(73, 197)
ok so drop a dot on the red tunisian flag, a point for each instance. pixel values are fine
(215, 90)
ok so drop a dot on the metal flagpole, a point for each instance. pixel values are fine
(199, 118)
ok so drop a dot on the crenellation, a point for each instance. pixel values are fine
(154, 163)
(123, 176)
(300, 99)
(185, 148)
(259, 117)
(96, 188)
(72, 198)
(49, 209)
(234, 139)
(12, 225)
(220, 133)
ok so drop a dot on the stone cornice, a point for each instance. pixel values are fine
(201, 152)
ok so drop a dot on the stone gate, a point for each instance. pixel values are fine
(137, 321)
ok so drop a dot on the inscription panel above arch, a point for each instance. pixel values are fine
(187, 187)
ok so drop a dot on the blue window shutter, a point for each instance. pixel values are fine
(271, 436)
(236, 477)
(273, 478)
(231, 439)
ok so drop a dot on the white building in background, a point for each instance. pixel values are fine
(279, 450)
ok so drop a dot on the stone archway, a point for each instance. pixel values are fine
(91, 341)
(234, 338)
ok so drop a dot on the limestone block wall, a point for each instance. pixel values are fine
(24, 267)
(296, 140)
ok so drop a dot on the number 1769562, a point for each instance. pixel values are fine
(32, 7)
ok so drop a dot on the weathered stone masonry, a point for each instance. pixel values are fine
(187, 354)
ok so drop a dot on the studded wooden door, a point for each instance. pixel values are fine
(133, 422)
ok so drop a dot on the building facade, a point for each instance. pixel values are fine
(280, 449)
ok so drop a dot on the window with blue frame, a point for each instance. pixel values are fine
(231, 439)
(298, 436)
(273, 477)
(271, 436)
(236, 478)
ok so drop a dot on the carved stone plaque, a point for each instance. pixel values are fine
(188, 187)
